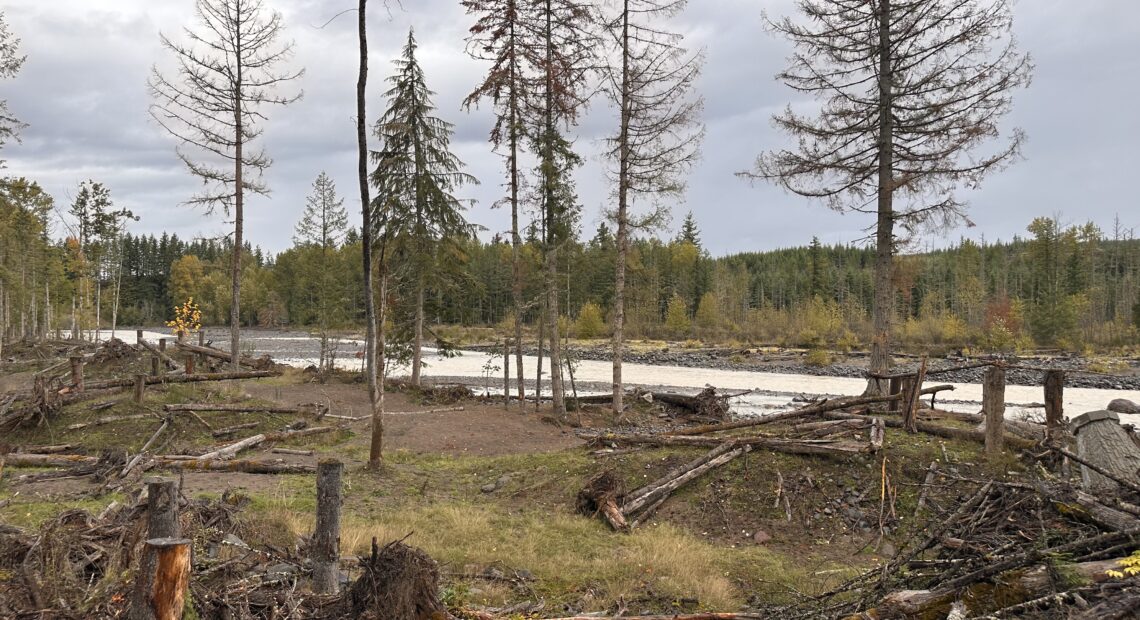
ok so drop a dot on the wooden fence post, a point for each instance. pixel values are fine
(140, 387)
(190, 364)
(993, 407)
(155, 366)
(1054, 401)
(77, 372)
(157, 582)
(326, 536)
(138, 336)
(162, 345)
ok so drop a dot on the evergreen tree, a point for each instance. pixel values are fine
(323, 225)
(414, 177)
(10, 64)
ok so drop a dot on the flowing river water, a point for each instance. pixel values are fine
(771, 392)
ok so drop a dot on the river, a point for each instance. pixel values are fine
(772, 392)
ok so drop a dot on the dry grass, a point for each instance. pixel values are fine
(570, 556)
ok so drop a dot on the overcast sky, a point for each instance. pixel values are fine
(83, 93)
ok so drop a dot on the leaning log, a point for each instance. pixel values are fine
(225, 355)
(169, 361)
(827, 405)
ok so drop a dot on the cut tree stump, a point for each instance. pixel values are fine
(165, 585)
(1054, 402)
(600, 496)
(326, 535)
(993, 407)
(1103, 441)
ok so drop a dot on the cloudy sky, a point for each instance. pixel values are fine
(83, 93)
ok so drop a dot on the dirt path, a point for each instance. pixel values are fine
(480, 429)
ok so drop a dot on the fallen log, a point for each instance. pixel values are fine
(47, 460)
(949, 432)
(244, 466)
(209, 376)
(109, 420)
(661, 489)
(292, 451)
(40, 449)
(230, 451)
(634, 499)
(821, 447)
(827, 405)
(231, 408)
(225, 356)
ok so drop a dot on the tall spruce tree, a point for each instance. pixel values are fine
(910, 90)
(658, 135)
(415, 177)
(227, 71)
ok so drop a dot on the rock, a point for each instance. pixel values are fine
(1123, 405)
(490, 487)
(761, 537)
(230, 539)
(503, 480)
(887, 550)
(524, 574)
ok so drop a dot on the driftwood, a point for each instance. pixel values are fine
(827, 405)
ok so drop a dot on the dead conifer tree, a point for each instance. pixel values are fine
(910, 91)
(226, 73)
(498, 36)
(658, 136)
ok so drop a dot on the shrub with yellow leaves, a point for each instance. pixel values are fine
(187, 319)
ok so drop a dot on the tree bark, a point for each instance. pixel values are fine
(622, 237)
(164, 583)
(1101, 440)
(370, 326)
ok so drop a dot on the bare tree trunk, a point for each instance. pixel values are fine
(557, 394)
(418, 338)
(326, 534)
(622, 216)
(235, 267)
(538, 372)
(883, 309)
(98, 306)
(516, 241)
(374, 395)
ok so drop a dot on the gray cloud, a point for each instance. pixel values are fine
(83, 92)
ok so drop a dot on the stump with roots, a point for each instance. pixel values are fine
(1103, 441)
(397, 581)
(601, 495)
